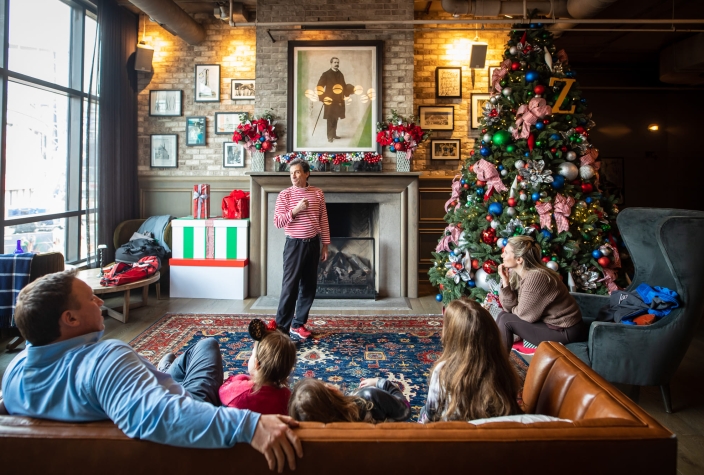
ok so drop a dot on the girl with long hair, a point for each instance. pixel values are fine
(377, 400)
(473, 378)
(537, 305)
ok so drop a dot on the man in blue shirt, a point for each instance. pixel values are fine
(67, 373)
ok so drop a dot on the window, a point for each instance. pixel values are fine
(50, 73)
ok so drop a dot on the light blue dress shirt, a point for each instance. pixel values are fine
(84, 379)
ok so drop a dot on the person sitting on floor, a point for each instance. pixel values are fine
(272, 360)
(376, 400)
(537, 305)
(473, 378)
(67, 373)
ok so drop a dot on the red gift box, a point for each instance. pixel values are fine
(236, 205)
(201, 201)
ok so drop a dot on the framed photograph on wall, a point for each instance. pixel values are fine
(445, 149)
(226, 122)
(164, 151)
(241, 89)
(334, 95)
(437, 117)
(207, 83)
(477, 102)
(232, 155)
(448, 83)
(195, 131)
(165, 103)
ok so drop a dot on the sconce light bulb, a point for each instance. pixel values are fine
(653, 127)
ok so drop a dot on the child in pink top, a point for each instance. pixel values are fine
(264, 389)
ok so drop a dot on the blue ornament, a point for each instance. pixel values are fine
(531, 76)
(532, 25)
(463, 181)
(471, 284)
(495, 208)
(539, 125)
(596, 254)
(527, 154)
(438, 297)
(588, 199)
(392, 148)
(535, 196)
(485, 152)
(480, 191)
(583, 100)
(558, 182)
(547, 234)
(540, 25)
(396, 139)
(554, 137)
(501, 167)
(262, 139)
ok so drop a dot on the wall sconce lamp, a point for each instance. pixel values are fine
(653, 127)
(144, 53)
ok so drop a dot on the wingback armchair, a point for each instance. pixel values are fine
(666, 248)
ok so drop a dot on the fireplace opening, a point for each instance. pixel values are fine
(350, 269)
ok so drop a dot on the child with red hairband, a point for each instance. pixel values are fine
(265, 389)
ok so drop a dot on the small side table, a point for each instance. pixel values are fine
(92, 278)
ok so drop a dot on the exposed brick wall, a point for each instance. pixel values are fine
(174, 68)
(272, 58)
(448, 46)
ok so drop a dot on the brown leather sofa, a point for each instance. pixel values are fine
(608, 434)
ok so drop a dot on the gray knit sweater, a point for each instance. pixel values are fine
(541, 297)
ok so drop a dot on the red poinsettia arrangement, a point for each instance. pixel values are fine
(257, 134)
(400, 134)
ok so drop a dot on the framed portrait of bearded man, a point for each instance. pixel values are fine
(334, 95)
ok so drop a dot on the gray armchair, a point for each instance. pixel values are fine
(667, 251)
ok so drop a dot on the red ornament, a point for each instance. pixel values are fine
(483, 131)
(489, 266)
(553, 150)
(489, 235)
(515, 66)
(587, 188)
(471, 167)
(475, 264)
(471, 152)
(458, 265)
(546, 259)
(604, 261)
(539, 89)
(481, 183)
(531, 142)
(511, 202)
(441, 287)
(579, 129)
(466, 186)
(563, 148)
(519, 178)
(546, 121)
(489, 218)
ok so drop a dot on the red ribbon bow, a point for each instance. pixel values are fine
(487, 172)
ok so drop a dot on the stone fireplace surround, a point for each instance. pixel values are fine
(397, 246)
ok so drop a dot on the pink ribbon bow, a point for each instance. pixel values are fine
(452, 237)
(590, 158)
(563, 207)
(528, 115)
(562, 56)
(608, 279)
(544, 212)
(499, 74)
(487, 172)
(456, 189)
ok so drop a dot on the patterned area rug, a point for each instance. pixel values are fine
(342, 351)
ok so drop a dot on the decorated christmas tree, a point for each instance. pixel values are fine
(532, 172)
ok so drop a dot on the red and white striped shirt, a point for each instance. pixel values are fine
(308, 223)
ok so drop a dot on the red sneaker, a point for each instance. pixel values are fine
(300, 333)
(522, 349)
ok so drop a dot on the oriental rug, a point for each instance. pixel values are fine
(343, 349)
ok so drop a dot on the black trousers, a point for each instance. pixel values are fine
(332, 128)
(300, 281)
(538, 332)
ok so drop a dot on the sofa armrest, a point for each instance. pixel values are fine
(590, 304)
(125, 230)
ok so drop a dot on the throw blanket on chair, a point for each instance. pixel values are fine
(14, 275)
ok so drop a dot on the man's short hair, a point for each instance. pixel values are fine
(333, 59)
(305, 166)
(40, 305)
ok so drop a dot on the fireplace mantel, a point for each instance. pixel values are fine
(398, 188)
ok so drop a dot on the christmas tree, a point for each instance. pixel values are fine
(532, 172)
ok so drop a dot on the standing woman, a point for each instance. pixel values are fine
(537, 305)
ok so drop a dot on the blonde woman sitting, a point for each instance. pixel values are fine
(537, 305)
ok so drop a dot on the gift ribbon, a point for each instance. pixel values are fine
(209, 239)
(528, 115)
(608, 279)
(201, 196)
(544, 213)
(590, 158)
(452, 237)
(499, 74)
(456, 189)
(487, 172)
(563, 208)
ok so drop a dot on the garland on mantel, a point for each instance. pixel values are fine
(334, 158)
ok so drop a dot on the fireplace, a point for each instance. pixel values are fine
(390, 200)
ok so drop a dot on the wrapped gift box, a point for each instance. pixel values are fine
(210, 239)
(209, 278)
(201, 201)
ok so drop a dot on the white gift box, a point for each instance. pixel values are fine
(210, 238)
(209, 278)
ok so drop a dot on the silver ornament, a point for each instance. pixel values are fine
(548, 59)
(488, 105)
(504, 172)
(511, 129)
(493, 99)
(543, 194)
(552, 265)
(506, 91)
(519, 164)
(570, 156)
(513, 50)
(523, 196)
(481, 278)
(495, 224)
(511, 211)
(605, 250)
(486, 138)
(586, 172)
(568, 170)
(582, 204)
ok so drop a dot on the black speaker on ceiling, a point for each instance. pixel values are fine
(477, 55)
(143, 58)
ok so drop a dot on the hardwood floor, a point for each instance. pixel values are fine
(687, 386)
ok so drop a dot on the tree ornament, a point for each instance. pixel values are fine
(495, 224)
(506, 91)
(552, 265)
(501, 137)
(481, 279)
(493, 100)
(558, 182)
(604, 261)
(515, 66)
(510, 148)
(486, 138)
(596, 254)
(531, 76)
(570, 156)
(519, 164)
(489, 236)
(511, 201)
(568, 170)
(605, 250)
(587, 187)
(489, 266)
(475, 264)
(485, 151)
(496, 208)
(531, 142)
(438, 297)
(587, 172)
(539, 89)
